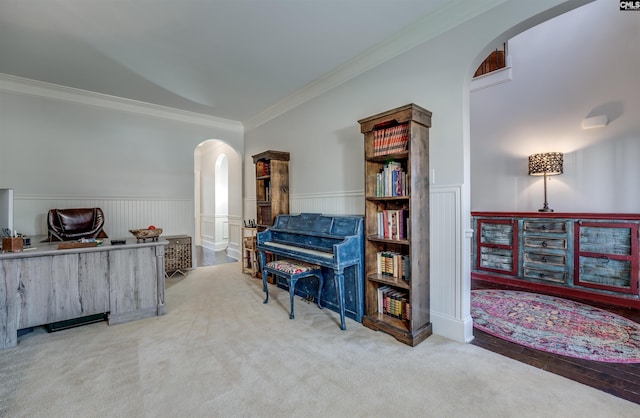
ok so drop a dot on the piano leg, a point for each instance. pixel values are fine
(338, 280)
(265, 289)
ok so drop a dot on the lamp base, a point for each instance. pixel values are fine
(545, 210)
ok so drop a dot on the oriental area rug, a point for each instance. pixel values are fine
(556, 325)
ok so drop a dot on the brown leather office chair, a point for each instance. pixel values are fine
(75, 224)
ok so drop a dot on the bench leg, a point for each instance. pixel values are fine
(338, 279)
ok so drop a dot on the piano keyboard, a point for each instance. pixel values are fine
(328, 256)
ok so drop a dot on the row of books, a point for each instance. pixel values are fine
(393, 224)
(391, 180)
(394, 303)
(262, 168)
(390, 140)
(394, 265)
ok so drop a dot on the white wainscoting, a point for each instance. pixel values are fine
(214, 230)
(448, 315)
(234, 249)
(174, 216)
(208, 231)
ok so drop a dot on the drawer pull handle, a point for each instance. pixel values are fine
(544, 259)
(604, 259)
(544, 226)
(544, 243)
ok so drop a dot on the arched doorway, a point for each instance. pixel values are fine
(221, 204)
(218, 197)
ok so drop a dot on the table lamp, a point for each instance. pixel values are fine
(545, 164)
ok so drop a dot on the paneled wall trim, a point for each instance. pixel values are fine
(214, 230)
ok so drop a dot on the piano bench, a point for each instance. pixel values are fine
(291, 271)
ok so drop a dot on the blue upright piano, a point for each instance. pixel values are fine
(336, 243)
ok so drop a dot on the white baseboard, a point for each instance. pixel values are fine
(452, 328)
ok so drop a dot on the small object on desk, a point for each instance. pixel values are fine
(118, 241)
(77, 244)
(12, 244)
(144, 234)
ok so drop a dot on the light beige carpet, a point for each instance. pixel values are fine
(220, 352)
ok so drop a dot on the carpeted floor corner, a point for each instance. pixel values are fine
(220, 352)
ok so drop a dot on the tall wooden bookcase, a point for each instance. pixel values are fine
(396, 152)
(272, 186)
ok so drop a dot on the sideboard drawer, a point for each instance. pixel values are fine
(543, 242)
(498, 259)
(607, 238)
(559, 227)
(556, 259)
(497, 246)
(556, 276)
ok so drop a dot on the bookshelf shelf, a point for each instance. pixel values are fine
(380, 278)
(387, 198)
(385, 157)
(388, 240)
(396, 149)
(390, 324)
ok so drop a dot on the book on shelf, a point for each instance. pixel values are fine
(393, 302)
(391, 181)
(392, 224)
(391, 140)
(262, 168)
(393, 264)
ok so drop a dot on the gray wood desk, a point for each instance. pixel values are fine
(43, 284)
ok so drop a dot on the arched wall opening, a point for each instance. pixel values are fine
(464, 232)
(218, 197)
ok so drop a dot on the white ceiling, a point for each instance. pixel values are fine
(227, 58)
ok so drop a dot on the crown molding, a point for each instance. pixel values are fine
(30, 87)
(449, 15)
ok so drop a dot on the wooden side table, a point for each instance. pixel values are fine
(249, 257)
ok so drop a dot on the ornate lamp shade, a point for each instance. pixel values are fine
(546, 164)
(549, 163)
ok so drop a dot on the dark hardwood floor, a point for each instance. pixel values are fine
(206, 257)
(619, 379)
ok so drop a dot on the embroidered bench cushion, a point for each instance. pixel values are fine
(291, 266)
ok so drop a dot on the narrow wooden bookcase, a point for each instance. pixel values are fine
(272, 186)
(396, 152)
